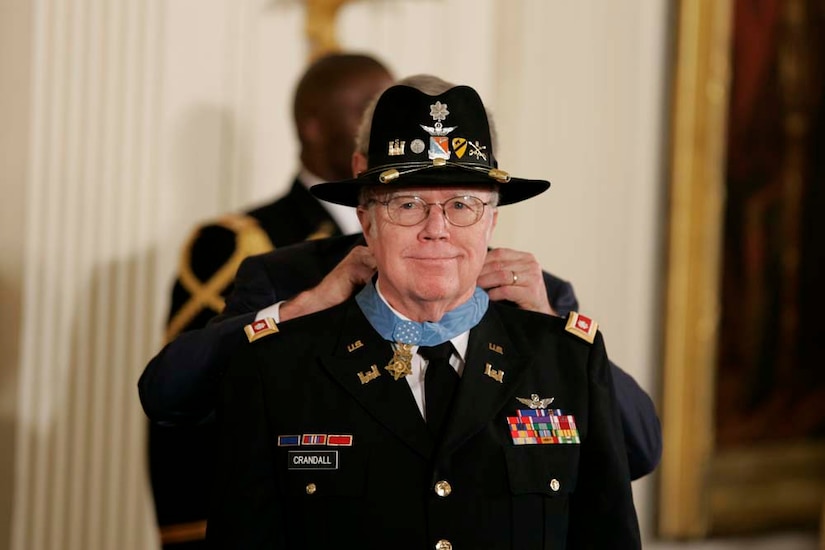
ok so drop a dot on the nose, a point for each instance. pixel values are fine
(435, 224)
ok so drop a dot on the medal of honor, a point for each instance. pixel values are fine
(401, 363)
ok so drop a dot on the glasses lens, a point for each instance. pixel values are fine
(406, 210)
(463, 211)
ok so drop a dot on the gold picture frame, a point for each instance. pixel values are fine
(704, 491)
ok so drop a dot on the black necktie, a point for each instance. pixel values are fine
(440, 382)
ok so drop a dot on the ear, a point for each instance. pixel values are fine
(359, 163)
(365, 219)
(492, 225)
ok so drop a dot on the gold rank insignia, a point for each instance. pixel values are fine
(497, 375)
(583, 327)
(261, 328)
(401, 363)
(368, 376)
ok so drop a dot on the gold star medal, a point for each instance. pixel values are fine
(401, 363)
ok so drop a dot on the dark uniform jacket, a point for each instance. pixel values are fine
(389, 483)
(179, 385)
(182, 459)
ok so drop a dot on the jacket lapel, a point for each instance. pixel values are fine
(491, 374)
(357, 363)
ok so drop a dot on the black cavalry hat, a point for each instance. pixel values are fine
(419, 140)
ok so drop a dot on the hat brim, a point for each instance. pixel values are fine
(346, 192)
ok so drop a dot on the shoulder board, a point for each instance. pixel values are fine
(260, 328)
(583, 327)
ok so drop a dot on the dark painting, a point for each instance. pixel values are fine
(771, 348)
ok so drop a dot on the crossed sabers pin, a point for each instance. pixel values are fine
(477, 150)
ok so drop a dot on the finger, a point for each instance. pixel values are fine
(504, 276)
(509, 256)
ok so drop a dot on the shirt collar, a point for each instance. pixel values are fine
(344, 216)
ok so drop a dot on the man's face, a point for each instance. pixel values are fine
(341, 116)
(431, 267)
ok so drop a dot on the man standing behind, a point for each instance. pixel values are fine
(328, 104)
(419, 413)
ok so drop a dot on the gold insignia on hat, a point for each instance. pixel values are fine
(370, 375)
(499, 175)
(396, 148)
(261, 328)
(401, 363)
(496, 348)
(389, 175)
(459, 146)
(355, 345)
(497, 375)
(583, 327)
(535, 402)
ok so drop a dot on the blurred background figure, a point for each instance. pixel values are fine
(328, 102)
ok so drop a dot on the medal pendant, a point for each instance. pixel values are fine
(401, 363)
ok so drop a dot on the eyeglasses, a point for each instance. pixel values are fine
(408, 210)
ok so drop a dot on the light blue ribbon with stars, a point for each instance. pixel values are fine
(394, 329)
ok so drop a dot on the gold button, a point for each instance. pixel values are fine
(311, 488)
(554, 485)
(443, 544)
(443, 488)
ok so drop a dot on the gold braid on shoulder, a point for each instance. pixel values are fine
(250, 239)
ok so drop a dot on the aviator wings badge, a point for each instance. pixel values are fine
(535, 402)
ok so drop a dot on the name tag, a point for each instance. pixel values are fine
(313, 460)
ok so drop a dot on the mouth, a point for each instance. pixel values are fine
(436, 259)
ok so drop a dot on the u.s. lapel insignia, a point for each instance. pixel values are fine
(261, 328)
(355, 345)
(497, 375)
(496, 348)
(583, 327)
(535, 402)
(401, 363)
(370, 375)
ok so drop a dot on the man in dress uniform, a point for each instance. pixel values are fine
(419, 413)
(179, 385)
(328, 104)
